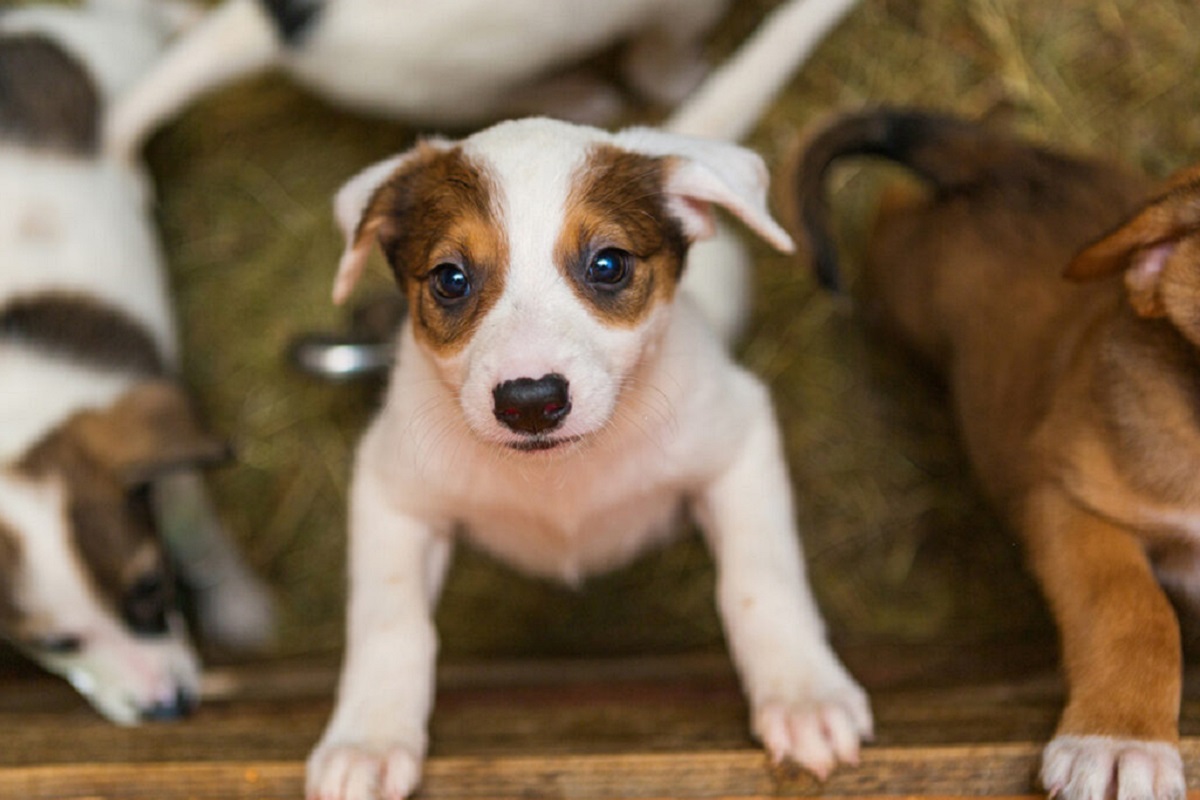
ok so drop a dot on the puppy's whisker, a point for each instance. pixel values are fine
(430, 427)
(650, 398)
(653, 423)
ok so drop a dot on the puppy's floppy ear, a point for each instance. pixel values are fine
(707, 172)
(1144, 243)
(359, 215)
(351, 210)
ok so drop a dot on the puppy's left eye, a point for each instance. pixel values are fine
(609, 267)
(450, 282)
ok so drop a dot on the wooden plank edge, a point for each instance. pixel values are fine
(993, 770)
(886, 773)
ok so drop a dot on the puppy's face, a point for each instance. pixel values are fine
(85, 587)
(540, 260)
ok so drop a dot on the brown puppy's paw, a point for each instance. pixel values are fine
(1097, 767)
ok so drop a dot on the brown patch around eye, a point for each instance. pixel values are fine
(10, 563)
(439, 209)
(618, 202)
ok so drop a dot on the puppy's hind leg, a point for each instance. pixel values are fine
(234, 40)
(234, 606)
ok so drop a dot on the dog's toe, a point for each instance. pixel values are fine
(401, 773)
(816, 735)
(1097, 767)
(355, 772)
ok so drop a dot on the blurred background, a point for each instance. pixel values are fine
(900, 549)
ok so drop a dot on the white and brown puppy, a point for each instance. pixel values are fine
(93, 426)
(1058, 297)
(454, 62)
(561, 397)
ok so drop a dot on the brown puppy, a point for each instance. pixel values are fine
(1060, 299)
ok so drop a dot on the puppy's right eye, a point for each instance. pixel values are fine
(609, 267)
(450, 283)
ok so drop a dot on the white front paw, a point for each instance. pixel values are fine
(817, 734)
(362, 772)
(1097, 767)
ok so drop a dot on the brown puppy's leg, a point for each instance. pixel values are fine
(1121, 653)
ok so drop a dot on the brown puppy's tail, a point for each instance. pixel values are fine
(946, 151)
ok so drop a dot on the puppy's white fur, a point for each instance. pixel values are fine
(661, 418)
(453, 62)
(80, 226)
(1084, 766)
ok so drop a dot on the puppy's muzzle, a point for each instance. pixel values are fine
(532, 406)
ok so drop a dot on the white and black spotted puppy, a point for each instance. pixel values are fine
(96, 434)
(453, 62)
(561, 396)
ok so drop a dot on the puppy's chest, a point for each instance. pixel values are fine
(569, 530)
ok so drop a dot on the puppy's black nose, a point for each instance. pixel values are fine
(532, 406)
(180, 706)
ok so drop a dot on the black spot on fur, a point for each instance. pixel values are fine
(81, 330)
(47, 98)
(293, 18)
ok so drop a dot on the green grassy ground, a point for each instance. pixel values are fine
(899, 547)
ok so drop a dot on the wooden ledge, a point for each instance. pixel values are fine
(648, 728)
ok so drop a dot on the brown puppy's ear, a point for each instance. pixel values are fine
(152, 429)
(1142, 245)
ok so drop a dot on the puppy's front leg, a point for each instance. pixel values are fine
(234, 606)
(1118, 736)
(805, 706)
(374, 745)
